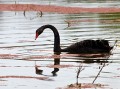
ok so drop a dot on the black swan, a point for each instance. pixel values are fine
(85, 46)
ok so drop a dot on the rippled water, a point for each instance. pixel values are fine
(20, 53)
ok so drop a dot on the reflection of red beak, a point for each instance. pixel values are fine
(36, 36)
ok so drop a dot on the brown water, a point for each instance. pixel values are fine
(20, 53)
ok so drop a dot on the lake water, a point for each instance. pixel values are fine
(20, 53)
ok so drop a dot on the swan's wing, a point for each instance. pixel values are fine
(84, 44)
(80, 46)
(88, 46)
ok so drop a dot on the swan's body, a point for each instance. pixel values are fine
(86, 46)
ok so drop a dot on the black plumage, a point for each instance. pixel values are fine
(85, 46)
(89, 46)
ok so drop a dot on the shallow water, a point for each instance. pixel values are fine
(20, 53)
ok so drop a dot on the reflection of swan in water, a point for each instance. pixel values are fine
(54, 72)
(85, 46)
(56, 62)
(98, 60)
(38, 71)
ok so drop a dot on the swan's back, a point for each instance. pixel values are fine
(89, 46)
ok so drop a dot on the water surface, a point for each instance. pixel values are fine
(20, 53)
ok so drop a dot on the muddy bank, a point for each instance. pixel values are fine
(57, 9)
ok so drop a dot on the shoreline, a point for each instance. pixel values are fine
(56, 9)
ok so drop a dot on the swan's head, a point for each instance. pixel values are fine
(38, 32)
(41, 29)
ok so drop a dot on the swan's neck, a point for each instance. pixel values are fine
(56, 38)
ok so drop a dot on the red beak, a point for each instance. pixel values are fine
(36, 36)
